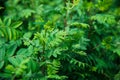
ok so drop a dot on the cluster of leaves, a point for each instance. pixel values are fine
(60, 40)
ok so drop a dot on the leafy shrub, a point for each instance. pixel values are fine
(60, 40)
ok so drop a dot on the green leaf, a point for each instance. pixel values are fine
(77, 24)
(1, 33)
(81, 53)
(7, 22)
(2, 53)
(13, 61)
(22, 51)
(10, 68)
(32, 65)
(117, 76)
(4, 32)
(117, 51)
(1, 7)
(26, 13)
(29, 51)
(1, 64)
(16, 24)
(9, 33)
(11, 49)
(5, 75)
(104, 18)
(14, 34)
(25, 52)
(27, 35)
(1, 22)
(19, 58)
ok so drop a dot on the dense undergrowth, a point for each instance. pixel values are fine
(59, 40)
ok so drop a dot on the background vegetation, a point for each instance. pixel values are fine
(59, 40)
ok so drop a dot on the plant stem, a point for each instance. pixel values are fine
(43, 58)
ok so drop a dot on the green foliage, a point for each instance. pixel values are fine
(60, 40)
(8, 30)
